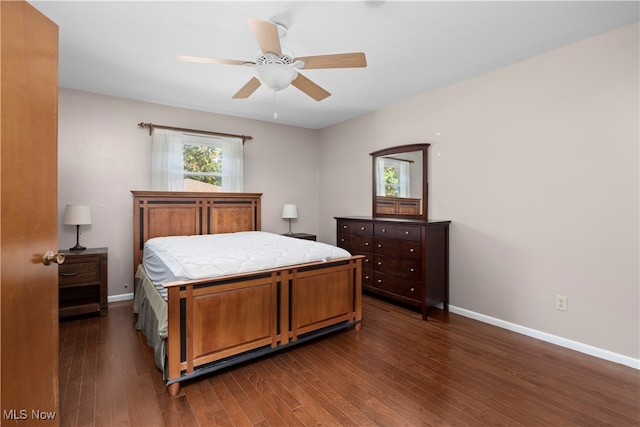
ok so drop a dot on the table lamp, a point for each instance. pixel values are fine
(289, 212)
(77, 215)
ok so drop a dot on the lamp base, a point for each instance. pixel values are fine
(77, 247)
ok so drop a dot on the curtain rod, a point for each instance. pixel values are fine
(152, 126)
(401, 160)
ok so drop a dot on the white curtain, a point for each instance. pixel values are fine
(404, 178)
(167, 169)
(380, 184)
(232, 165)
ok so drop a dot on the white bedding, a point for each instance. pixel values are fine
(178, 258)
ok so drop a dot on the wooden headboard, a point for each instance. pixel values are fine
(173, 213)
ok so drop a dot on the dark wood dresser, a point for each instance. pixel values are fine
(82, 282)
(406, 260)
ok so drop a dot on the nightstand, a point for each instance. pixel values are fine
(82, 282)
(304, 236)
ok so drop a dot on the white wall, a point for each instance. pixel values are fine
(536, 164)
(103, 155)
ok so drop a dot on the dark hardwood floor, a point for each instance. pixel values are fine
(398, 370)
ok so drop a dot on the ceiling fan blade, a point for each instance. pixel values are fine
(266, 34)
(204, 60)
(338, 60)
(310, 88)
(246, 90)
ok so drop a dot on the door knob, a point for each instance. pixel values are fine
(50, 257)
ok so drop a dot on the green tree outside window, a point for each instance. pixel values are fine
(203, 163)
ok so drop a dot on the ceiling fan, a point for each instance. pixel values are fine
(277, 70)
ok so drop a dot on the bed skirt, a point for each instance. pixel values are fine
(151, 309)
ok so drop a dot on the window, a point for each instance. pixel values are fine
(202, 162)
(196, 162)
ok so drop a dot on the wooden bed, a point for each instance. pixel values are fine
(215, 323)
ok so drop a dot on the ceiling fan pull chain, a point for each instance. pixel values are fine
(275, 104)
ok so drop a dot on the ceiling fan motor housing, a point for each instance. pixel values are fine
(272, 58)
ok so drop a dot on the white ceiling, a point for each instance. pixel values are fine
(128, 49)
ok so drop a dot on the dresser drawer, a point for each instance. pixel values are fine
(355, 243)
(398, 286)
(344, 226)
(409, 269)
(344, 241)
(398, 248)
(78, 272)
(398, 231)
(367, 262)
(367, 277)
(382, 229)
(364, 228)
(362, 243)
(409, 232)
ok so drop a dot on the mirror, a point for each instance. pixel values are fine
(400, 182)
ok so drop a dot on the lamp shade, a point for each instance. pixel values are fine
(289, 211)
(77, 215)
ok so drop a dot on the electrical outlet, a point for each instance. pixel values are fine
(561, 303)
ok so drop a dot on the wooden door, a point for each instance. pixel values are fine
(29, 376)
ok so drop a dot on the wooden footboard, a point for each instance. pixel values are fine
(216, 323)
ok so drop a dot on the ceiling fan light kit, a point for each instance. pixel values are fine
(277, 71)
(276, 76)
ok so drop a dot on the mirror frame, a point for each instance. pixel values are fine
(425, 186)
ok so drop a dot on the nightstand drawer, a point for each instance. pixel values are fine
(78, 272)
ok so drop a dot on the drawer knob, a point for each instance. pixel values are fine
(344, 226)
(50, 257)
(379, 262)
(384, 230)
(366, 243)
(366, 277)
(362, 228)
(379, 280)
(412, 269)
(411, 250)
(406, 232)
(413, 289)
(379, 246)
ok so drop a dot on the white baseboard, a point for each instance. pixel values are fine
(553, 339)
(121, 297)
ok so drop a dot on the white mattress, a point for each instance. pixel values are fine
(179, 258)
